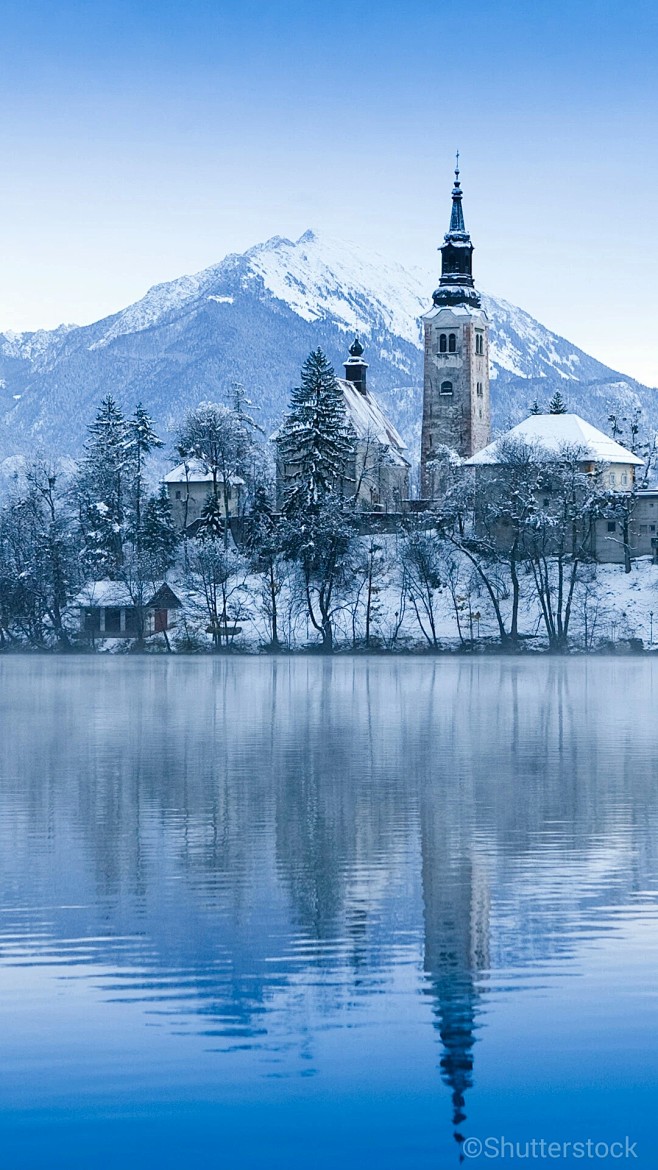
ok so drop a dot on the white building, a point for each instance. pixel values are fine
(549, 436)
(189, 486)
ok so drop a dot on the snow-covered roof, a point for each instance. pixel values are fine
(369, 420)
(194, 471)
(115, 593)
(554, 432)
(101, 593)
(456, 310)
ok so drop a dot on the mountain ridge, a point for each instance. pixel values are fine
(252, 318)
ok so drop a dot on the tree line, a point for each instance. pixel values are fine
(502, 544)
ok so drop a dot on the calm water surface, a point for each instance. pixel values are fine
(308, 913)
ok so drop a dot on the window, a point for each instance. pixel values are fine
(612, 479)
(446, 387)
(652, 528)
(178, 495)
(443, 343)
(112, 620)
(612, 527)
(479, 343)
(545, 502)
(479, 390)
(624, 479)
(452, 343)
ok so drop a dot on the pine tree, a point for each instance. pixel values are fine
(101, 489)
(160, 537)
(557, 405)
(314, 445)
(141, 439)
(536, 408)
(212, 524)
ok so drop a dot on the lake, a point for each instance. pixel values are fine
(261, 914)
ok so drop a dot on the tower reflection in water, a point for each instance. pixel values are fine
(258, 850)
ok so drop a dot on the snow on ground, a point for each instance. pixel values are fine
(617, 606)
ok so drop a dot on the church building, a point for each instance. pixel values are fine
(456, 406)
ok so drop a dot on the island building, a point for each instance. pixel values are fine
(456, 403)
(630, 516)
(377, 476)
(189, 486)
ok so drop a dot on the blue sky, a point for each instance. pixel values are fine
(142, 140)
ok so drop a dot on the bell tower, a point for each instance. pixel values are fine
(456, 406)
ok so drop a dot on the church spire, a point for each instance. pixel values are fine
(456, 286)
(457, 216)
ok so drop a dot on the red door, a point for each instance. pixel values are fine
(160, 621)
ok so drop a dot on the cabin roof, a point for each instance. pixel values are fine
(99, 594)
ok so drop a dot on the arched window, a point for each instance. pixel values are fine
(452, 343)
(446, 387)
(479, 343)
(443, 343)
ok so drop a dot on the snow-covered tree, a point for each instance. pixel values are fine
(39, 563)
(319, 543)
(557, 404)
(141, 440)
(422, 560)
(160, 537)
(315, 447)
(217, 576)
(101, 489)
(223, 442)
(264, 547)
(558, 538)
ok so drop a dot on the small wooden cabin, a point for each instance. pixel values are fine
(107, 610)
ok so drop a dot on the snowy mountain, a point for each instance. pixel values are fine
(253, 318)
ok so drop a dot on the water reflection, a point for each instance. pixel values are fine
(260, 851)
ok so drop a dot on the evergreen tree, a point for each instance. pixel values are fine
(314, 445)
(141, 440)
(557, 405)
(101, 489)
(160, 538)
(212, 524)
(536, 408)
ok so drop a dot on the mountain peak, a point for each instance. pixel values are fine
(253, 318)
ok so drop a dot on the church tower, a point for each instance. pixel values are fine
(456, 408)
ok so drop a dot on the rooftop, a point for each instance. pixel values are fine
(553, 432)
(193, 471)
(368, 419)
